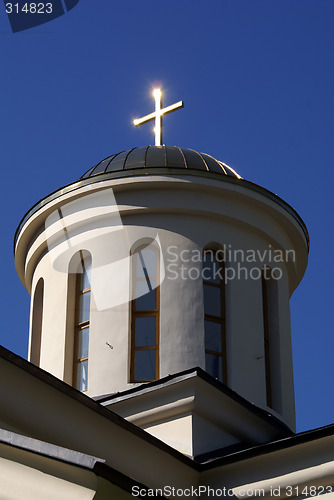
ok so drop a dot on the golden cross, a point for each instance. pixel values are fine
(157, 115)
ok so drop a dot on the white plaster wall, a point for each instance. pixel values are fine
(34, 479)
(54, 316)
(176, 433)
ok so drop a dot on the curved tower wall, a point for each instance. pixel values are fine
(183, 215)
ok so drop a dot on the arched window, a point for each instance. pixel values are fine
(214, 315)
(145, 307)
(271, 336)
(82, 323)
(37, 321)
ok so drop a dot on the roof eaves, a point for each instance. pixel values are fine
(48, 450)
(190, 373)
(271, 447)
(95, 406)
(70, 457)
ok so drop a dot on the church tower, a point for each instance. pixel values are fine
(160, 285)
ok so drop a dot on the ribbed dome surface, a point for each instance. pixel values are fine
(160, 157)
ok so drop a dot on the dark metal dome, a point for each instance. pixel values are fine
(156, 160)
(159, 157)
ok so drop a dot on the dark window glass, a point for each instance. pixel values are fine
(86, 275)
(211, 269)
(212, 300)
(145, 316)
(271, 337)
(214, 365)
(81, 346)
(145, 365)
(213, 336)
(146, 300)
(84, 307)
(82, 375)
(146, 263)
(145, 331)
(214, 311)
(83, 341)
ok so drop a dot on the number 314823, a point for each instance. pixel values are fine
(29, 8)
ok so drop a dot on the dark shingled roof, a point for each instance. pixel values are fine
(160, 156)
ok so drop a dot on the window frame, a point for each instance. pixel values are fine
(144, 313)
(80, 326)
(266, 338)
(217, 319)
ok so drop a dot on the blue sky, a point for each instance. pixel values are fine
(257, 80)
